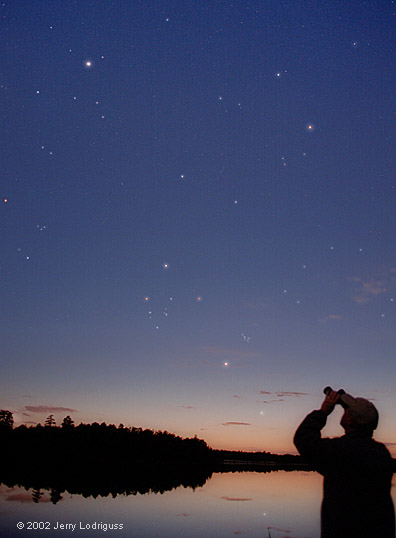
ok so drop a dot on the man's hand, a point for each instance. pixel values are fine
(330, 402)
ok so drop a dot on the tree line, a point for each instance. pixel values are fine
(100, 459)
(96, 443)
(119, 445)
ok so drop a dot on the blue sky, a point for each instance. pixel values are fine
(198, 206)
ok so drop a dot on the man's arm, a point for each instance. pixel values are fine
(308, 439)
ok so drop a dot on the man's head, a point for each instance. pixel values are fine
(360, 415)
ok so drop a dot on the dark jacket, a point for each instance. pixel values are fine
(357, 480)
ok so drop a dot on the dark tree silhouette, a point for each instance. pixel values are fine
(104, 459)
(36, 495)
(55, 495)
(68, 422)
(50, 421)
(6, 419)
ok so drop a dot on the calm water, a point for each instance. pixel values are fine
(233, 504)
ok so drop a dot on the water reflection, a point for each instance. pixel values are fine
(258, 505)
(223, 505)
(143, 480)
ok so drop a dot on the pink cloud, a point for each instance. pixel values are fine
(297, 394)
(283, 394)
(231, 423)
(280, 396)
(237, 498)
(49, 409)
(369, 290)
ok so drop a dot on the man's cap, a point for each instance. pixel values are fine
(363, 411)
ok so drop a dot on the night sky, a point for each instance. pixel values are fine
(198, 213)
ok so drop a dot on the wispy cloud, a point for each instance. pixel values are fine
(232, 423)
(368, 290)
(283, 394)
(280, 396)
(49, 409)
(286, 394)
(187, 406)
(333, 317)
(236, 498)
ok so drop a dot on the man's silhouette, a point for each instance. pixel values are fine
(357, 470)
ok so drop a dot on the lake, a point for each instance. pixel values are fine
(261, 505)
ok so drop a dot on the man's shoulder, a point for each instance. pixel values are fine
(362, 444)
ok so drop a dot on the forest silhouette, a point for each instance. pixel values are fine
(100, 459)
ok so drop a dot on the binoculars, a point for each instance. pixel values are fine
(327, 390)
